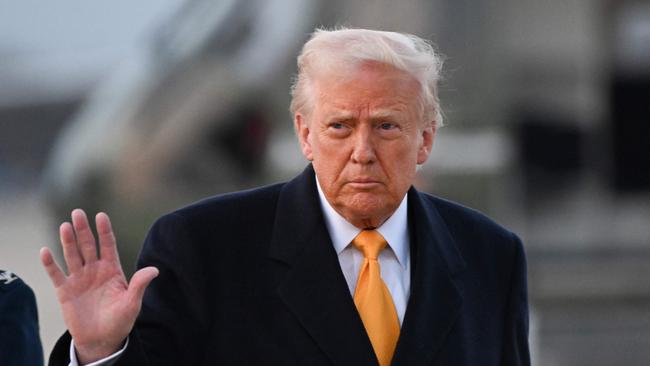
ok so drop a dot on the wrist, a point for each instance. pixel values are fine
(87, 354)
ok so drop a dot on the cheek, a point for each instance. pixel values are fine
(331, 152)
(400, 153)
(329, 164)
(321, 142)
(399, 163)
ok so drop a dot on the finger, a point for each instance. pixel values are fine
(107, 245)
(70, 250)
(85, 238)
(139, 282)
(53, 270)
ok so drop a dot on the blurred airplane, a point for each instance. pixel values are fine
(189, 115)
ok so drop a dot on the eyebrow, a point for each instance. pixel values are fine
(384, 113)
(340, 115)
(345, 115)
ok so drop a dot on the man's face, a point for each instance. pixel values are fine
(365, 137)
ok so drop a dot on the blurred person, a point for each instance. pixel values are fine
(20, 342)
(346, 264)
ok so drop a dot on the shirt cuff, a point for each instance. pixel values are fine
(107, 361)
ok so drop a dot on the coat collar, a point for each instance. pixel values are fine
(435, 299)
(314, 287)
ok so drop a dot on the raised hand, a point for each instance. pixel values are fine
(99, 305)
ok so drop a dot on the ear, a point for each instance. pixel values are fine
(302, 130)
(427, 134)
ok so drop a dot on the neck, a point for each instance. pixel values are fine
(366, 223)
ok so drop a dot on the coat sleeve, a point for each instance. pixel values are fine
(515, 347)
(174, 320)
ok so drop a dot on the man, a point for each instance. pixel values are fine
(347, 264)
(20, 343)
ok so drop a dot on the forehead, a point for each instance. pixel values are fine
(370, 85)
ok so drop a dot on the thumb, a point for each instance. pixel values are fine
(140, 281)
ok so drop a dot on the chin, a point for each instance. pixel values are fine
(368, 208)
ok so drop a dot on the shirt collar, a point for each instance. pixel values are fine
(394, 230)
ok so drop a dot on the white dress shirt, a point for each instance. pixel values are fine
(394, 260)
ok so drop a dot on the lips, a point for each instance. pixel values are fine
(364, 183)
(364, 180)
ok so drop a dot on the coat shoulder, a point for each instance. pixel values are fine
(248, 205)
(461, 220)
(212, 224)
(455, 214)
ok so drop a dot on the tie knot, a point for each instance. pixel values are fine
(370, 243)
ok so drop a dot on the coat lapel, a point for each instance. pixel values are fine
(313, 287)
(435, 300)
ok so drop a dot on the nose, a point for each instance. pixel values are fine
(363, 149)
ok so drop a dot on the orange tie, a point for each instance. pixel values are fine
(373, 300)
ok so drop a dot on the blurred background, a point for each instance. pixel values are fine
(137, 108)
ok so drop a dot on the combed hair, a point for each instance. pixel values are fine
(328, 50)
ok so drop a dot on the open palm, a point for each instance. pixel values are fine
(99, 305)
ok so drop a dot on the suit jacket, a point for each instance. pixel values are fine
(252, 278)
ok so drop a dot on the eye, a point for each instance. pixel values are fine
(387, 126)
(338, 125)
(338, 129)
(388, 129)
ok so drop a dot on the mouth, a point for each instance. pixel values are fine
(364, 183)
